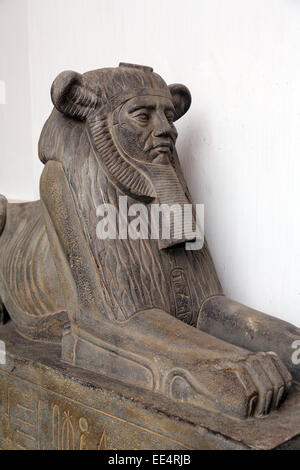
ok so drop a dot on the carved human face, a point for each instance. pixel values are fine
(145, 129)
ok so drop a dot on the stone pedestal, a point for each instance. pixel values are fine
(46, 404)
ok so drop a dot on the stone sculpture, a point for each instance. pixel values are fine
(144, 312)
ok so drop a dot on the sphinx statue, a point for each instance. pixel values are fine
(144, 312)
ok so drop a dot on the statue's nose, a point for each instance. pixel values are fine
(162, 128)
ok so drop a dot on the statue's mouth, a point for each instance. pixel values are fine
(161, 152)
(163, 146)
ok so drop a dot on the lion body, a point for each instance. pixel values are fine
(29, 285)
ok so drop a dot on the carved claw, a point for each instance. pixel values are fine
(266, 380)
(252, 386)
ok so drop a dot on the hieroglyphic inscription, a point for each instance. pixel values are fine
(32, 417)
(102, 441)
(84, 428)
(182, 296)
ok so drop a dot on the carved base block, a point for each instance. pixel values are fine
(46, 404)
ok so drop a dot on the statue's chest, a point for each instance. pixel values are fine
(137, 274)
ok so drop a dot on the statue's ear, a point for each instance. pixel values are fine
(181, 97)
(72, 95)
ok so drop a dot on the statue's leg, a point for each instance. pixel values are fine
(248, 328)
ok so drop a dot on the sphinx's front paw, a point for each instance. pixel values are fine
(261, 383)
(253, 385)
(271, 380)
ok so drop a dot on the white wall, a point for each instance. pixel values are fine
(16, 164)
(240, 142)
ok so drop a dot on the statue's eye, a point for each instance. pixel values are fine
(142, 117)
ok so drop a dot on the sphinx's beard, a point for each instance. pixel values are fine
(139, 180)
(124, 175)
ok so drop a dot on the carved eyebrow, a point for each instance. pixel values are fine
(138, 107)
